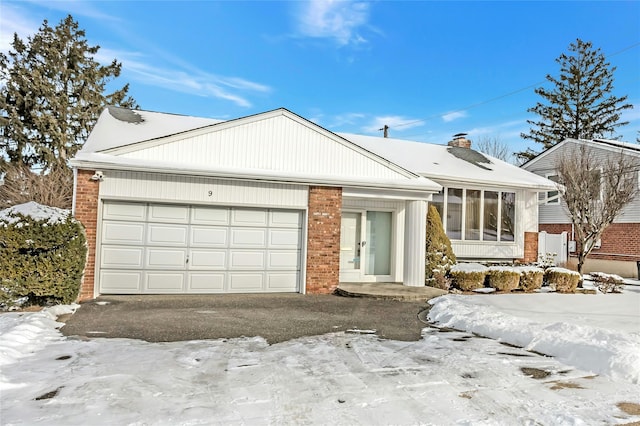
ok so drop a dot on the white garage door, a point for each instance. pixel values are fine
(157, 248)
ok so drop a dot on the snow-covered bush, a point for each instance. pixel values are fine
(563, 280)
(530, 278)
(42, 254)
(503, 278)
(468, 276)
(547, 260)
(439, 254)
(607, 283)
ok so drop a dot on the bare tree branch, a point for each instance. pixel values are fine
(595, 192)
(21, 185)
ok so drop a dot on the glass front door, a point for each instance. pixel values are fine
(365, 245)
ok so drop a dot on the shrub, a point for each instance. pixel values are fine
(468, 276)
(563, 280)
(439, 254)
(503, 278)
(530, 278)
(607, 283)
(42, 254)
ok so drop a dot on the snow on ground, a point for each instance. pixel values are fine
(338, 378)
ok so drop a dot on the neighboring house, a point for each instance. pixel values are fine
(619, 249)
(275, 203)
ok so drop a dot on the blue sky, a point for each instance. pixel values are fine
(426, 69)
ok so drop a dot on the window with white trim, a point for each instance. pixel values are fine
(477, 215)
(553, 197)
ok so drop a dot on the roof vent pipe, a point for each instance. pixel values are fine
(460, 140)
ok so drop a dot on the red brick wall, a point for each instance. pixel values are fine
(87, 213)
(620, 241)
(530, 247)
(323, 239)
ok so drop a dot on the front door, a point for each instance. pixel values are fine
(366, 246)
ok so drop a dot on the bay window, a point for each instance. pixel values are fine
(477, 215)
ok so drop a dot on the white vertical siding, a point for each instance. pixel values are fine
(143, 186)
(274, 143)
(557, 213)
(414, 243)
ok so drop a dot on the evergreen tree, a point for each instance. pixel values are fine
(52, 94)
(581, 104)
(439, 254)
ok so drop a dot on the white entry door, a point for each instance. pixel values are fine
(366, 242)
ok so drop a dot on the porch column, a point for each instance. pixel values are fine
(415, 235)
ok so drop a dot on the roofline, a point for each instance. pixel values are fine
(446, 180)
(253, 117)
(599, 143)
(105, 162)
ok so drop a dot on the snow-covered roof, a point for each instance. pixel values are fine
(117, 127)
(451, 164)
(606, 144)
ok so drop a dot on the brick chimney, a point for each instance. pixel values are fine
(460, 140)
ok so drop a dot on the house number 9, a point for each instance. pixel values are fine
(210, 193)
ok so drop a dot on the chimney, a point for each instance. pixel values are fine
(460, 140)
(385, 129)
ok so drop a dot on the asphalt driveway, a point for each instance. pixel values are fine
(277, 318)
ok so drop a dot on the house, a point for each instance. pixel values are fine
(275, 203)
(619, 248)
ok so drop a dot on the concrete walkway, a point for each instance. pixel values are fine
(389, 291)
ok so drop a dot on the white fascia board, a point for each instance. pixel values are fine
(386, 194)
(97, 161)
(538, 186)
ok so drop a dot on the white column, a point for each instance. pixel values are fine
(415, 234)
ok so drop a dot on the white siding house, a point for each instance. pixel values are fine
(619, 249)
(275, 203)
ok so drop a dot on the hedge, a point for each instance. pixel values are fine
(531, 278)
(503, 278)
(563, 280)
(468, 276)
(42, 254)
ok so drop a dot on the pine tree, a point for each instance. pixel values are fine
(52, 94)
(439, 254)
(581, 104)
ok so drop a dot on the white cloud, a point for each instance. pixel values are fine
(184, 78)
(13, 20)
(453, 116)
(333, 19)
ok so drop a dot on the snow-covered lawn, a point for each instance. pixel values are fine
(341, 378)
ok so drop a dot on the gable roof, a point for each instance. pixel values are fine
(118, 127)
(605, 144)
(443, 163)
(276, 145)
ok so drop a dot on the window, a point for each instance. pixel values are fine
(508, 215)
(553, 197)
(454, 213)
(477, 215)
(472, 215)
(438, 202)
(490, 225)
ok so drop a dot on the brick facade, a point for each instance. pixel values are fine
(87, 213)
(323, 239)
(620, 241)
(530, 247)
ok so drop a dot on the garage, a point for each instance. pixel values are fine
(153, 248)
